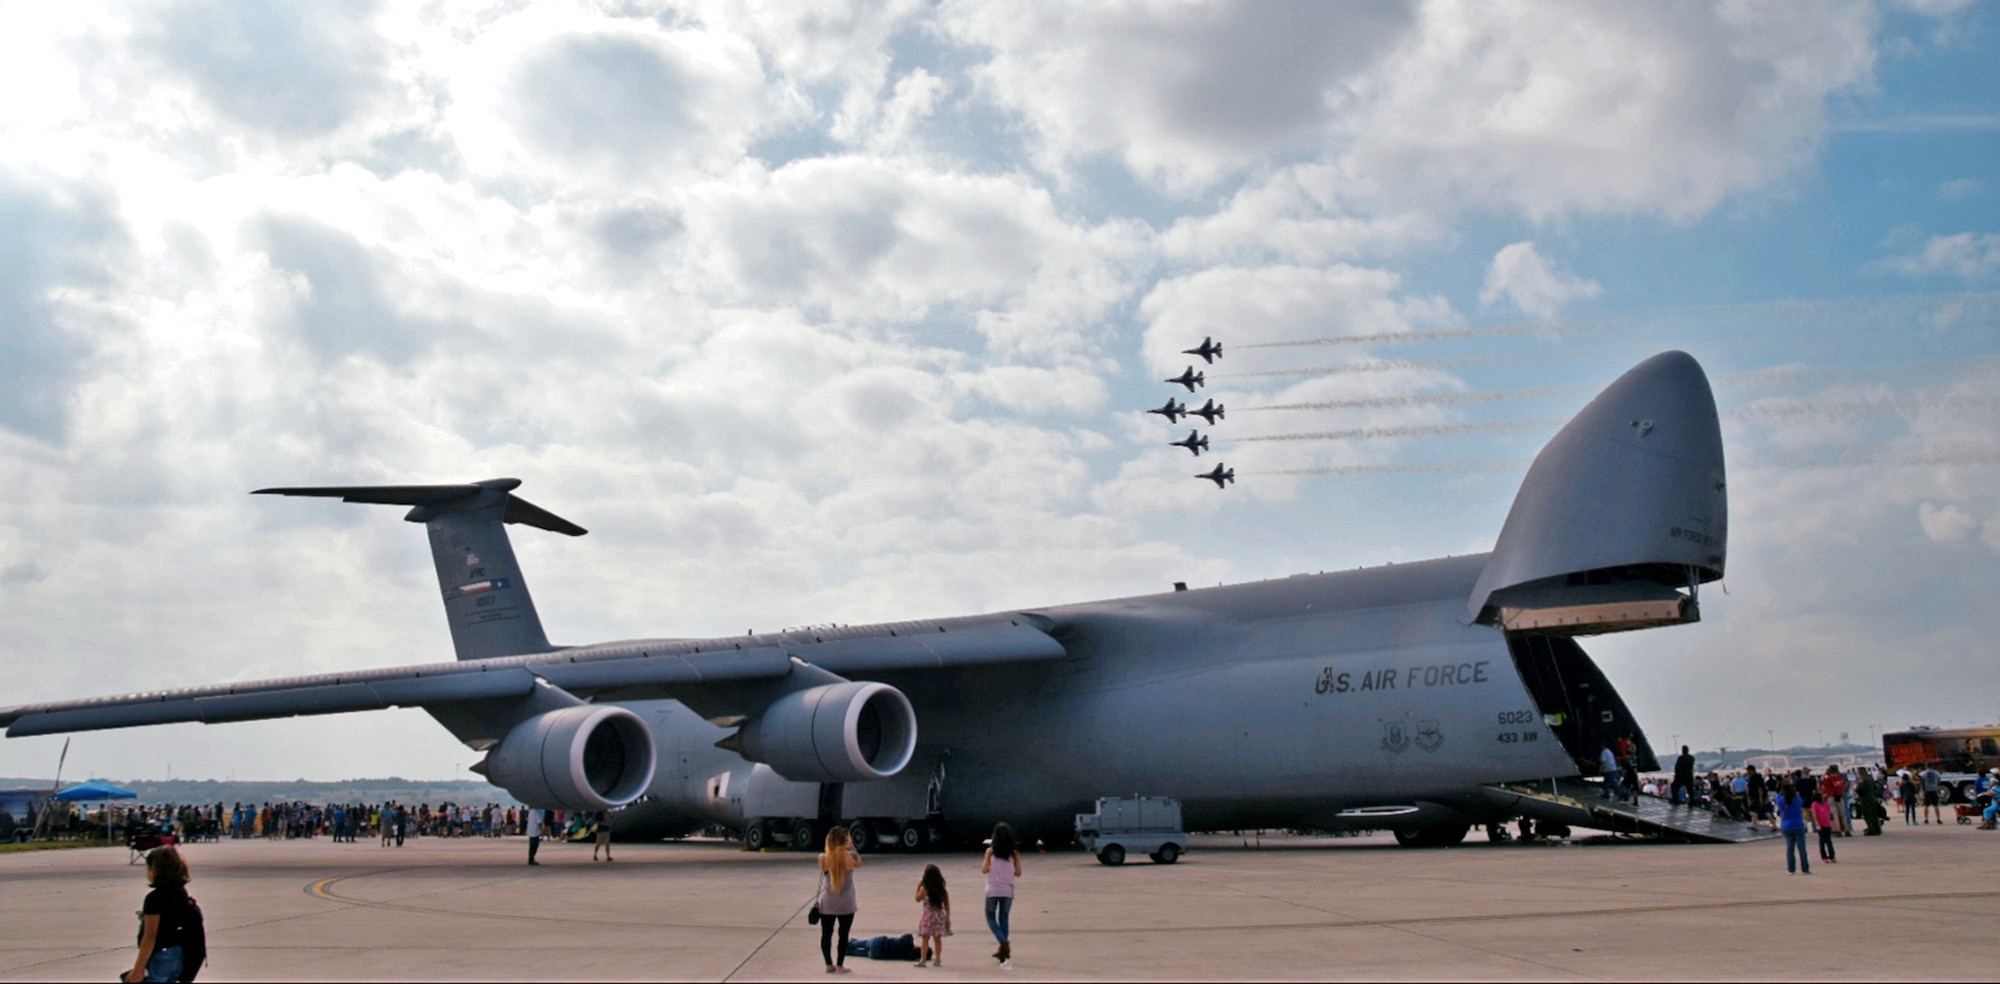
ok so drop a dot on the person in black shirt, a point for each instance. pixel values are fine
(172, 944)
(1683, 788)
(1760, 807)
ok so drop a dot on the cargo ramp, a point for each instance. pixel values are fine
(1580, 803)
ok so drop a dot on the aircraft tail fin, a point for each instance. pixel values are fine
(485, 599)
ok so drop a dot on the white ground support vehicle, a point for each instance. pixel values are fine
(1149, 825)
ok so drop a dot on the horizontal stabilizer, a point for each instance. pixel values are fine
(519, 510)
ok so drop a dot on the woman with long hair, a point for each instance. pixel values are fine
(1001, 867)
(836, 897)
(172, 945)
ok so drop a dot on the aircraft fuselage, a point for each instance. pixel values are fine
(1272, 704)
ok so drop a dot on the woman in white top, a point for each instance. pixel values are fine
(837, 903)
(1001, 867)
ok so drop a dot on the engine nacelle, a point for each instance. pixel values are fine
(840, 732)
(589, 757)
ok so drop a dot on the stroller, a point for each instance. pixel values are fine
(145, 837)
(1973, 812)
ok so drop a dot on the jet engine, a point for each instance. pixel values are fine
(839, 732)
(588, 757)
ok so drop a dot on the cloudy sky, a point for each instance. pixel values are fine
(824, 313)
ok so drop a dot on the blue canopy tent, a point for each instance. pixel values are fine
(93, 791)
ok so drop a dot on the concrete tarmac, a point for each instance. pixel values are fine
(1918, 901)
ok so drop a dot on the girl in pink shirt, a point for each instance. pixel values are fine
(1822, 815)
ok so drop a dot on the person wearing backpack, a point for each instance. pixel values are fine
(172, 942)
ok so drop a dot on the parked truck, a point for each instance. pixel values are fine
(1149, 825)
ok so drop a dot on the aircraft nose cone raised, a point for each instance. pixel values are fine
(1634, 480)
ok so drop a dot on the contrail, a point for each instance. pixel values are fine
(1545, 328)
(1395, 365)
(1445, 468)
(1950, 406)
(1425, 399)
(1945, 457)
(1411, 430)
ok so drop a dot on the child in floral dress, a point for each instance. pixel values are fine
(935, 923)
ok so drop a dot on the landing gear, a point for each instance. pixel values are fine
(757, 836)
(1448, 836)
(911, 836)
(863, 834)
(805, 836)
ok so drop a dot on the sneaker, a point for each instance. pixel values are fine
(1006, 965)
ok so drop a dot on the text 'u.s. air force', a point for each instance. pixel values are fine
(1332, 681)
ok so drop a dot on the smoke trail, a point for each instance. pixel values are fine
(1410, 430)
(1949, 406)
(1395, 365)
(1425, 399)
(1442, 468)
(1542, 328)
(1936, 458)
(1941, 457)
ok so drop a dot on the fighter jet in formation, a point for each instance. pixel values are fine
(1171, 410)
(1209, 351)
(1196, 443)
(1190, 379)
(1219, 475)
(1210, 411)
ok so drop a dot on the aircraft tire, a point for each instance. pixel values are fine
(805, 835)
(1450, 836)
(1111, 856)
(910, 837)
(757, 835)
(1945, 794)
(863, 834)
(1167, 854)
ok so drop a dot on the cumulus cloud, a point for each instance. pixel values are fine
(1182, 93)
(1521, 275)
(61, 248)
(1966, 255)
(1946, 523)
(294, 70)
(861, 238)
(1555, 109)
(616, 102)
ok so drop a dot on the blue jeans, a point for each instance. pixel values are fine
(997, 909)
(1612, 787)
(164, 965)
(1795, 844)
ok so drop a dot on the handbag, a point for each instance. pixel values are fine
(813, 916)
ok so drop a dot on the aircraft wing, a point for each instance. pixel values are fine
(703, 672)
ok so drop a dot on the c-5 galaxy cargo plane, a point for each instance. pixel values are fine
(1403, 697)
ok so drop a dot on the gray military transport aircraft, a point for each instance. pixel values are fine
(1419, 697)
